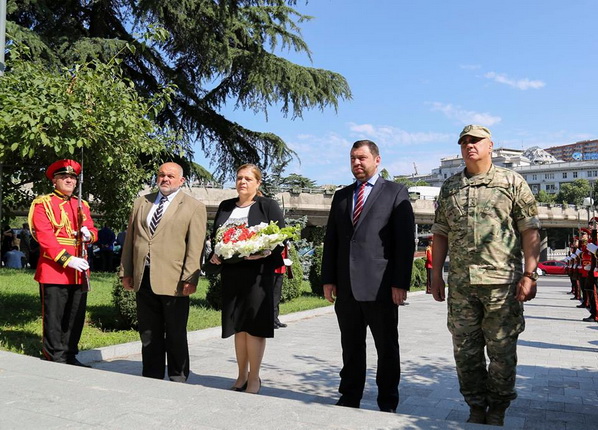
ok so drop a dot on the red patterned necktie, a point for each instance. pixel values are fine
(359, 203)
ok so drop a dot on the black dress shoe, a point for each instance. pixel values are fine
(581, 306)
(281, 325)
(75, 362)
(347, 403)
(589, 319)
(391, 410)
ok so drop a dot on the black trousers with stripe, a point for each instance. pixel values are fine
(63, 316)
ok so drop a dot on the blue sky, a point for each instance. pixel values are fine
(420, 70)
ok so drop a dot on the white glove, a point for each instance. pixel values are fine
(86, 234)
(287, 261)
(592, 248)
(587, 268)
(578, 252)
(79, 264)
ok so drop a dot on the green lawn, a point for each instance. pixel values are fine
(20, 312)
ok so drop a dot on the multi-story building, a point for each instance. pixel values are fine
(551, 177)
(586, 150)
(541, 170)
(504, 157)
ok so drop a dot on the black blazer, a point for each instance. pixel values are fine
(263, 210)
(378, 253)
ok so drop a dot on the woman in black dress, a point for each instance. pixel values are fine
(247, 300)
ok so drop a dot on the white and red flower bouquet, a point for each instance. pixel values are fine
(237, 241)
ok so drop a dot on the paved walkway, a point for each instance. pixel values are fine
(557, 379)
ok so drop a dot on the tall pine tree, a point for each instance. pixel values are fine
(215, 53)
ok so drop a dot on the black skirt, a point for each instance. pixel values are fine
(247, 298)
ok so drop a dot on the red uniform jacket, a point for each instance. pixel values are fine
(53, 220)
(429, 257)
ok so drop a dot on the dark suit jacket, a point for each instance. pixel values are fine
(263, 210)
(378, 253)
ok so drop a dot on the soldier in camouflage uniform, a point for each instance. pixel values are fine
(486, 217)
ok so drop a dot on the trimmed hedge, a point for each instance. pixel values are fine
(315, 272)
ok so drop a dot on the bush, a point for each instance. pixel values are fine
(418, 275)
(291, 288)
(314, 234)
(126, 305)
(315, 271)
(214, 293)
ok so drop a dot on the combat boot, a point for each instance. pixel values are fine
(496, 415)
(477, 415)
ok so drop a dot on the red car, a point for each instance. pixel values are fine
(552, 267)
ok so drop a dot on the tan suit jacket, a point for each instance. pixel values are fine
(175, 247)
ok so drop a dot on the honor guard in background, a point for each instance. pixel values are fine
(589, 257)
(55, 227)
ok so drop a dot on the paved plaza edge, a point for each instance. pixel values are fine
(557, 379)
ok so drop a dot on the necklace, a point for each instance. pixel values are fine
(244, 206)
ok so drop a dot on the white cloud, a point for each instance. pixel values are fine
(326, 158)
(466, 116)
(470, 66)
(387, 136)
(521, 84)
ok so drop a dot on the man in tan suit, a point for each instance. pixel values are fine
(161, 263)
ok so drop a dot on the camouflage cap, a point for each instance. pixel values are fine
(475, 131)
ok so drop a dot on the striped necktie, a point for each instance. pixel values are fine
(157, 215)
(359, 203)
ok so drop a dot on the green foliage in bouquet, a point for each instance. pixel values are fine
(292, 232)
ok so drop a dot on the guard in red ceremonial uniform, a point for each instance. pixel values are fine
(53, 219)
(429, 265)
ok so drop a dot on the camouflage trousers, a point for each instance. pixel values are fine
(485, 316)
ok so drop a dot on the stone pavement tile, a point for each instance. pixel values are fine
(557, 379)
(530, 424)
(563, 398)
(548, 406)
(568, 417)
(431, 411)
(527, 413)
(582, 409)
(578, 426)
(511, 422)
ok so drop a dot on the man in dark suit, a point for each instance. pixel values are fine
(161, 263)
(366, 271)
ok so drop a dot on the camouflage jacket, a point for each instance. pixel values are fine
(482, 217)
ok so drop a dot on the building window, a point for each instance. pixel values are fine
(534, 177)
(550, 188)
(564, 175)
(445, 176)
(574, 175)
(548, 175)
